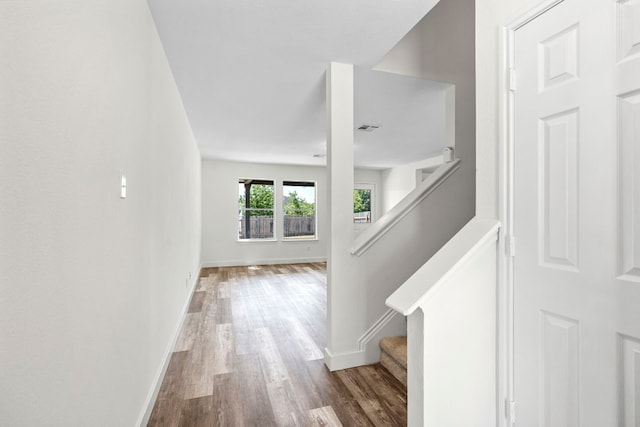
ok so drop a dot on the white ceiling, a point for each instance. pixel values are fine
(251, 76)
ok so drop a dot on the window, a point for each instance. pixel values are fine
(299, 206)
(255, 209)
(362, 213)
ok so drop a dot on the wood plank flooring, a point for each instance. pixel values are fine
(249, 354)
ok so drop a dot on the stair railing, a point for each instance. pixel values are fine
(373, 233)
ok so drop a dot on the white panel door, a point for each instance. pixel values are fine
(577, 216)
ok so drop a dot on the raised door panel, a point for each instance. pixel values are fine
(628, 29)
(560, 372)
(629, 182)
(558, 58)
(558, 201)
(629, 380)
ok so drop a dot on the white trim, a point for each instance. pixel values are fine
(372, 234)
(300, 239)
(504, 291)
(363, 355)
(276, 205)
(150, 401)
(315, 210)
(336, 362)
(362, 185)
(266, 261)
(505, 381)
(375, 328)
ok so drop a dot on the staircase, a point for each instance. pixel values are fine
(393, 356)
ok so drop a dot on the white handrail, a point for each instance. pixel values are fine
(450, 258)
(368, 237)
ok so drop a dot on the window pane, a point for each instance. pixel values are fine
(255, 209)
(361, 206)
(299, 205)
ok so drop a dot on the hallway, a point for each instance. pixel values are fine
(250, 354)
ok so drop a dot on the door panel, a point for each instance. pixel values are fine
(577, 216)
(629, 118)
(558, 201)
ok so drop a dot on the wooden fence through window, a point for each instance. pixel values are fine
(261, 227)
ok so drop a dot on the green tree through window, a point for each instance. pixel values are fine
(295, 205)
(361, 205)
(261, 197)
(299, 207)
(255, 207)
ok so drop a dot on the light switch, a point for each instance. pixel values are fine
(123, 187)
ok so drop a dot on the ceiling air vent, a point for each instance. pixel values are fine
(367, 128)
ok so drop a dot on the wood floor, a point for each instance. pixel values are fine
(250, 354)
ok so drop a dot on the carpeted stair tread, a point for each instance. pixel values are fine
(393, 356)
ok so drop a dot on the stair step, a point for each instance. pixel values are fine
(393, 356)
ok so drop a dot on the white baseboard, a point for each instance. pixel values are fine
(335, 362)
(352, 359)
(368, 351)
(143, 419)
(270, 261)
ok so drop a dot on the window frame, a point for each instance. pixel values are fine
(301, 183)
(372, 189)
(242, 210)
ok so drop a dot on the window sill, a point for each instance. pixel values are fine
(300, 239)
(284, 239)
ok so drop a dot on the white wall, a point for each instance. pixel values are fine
(399, 181)
(452, 351)
(92, 287)
(441, 48)
(492, 16)
(220, 245)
